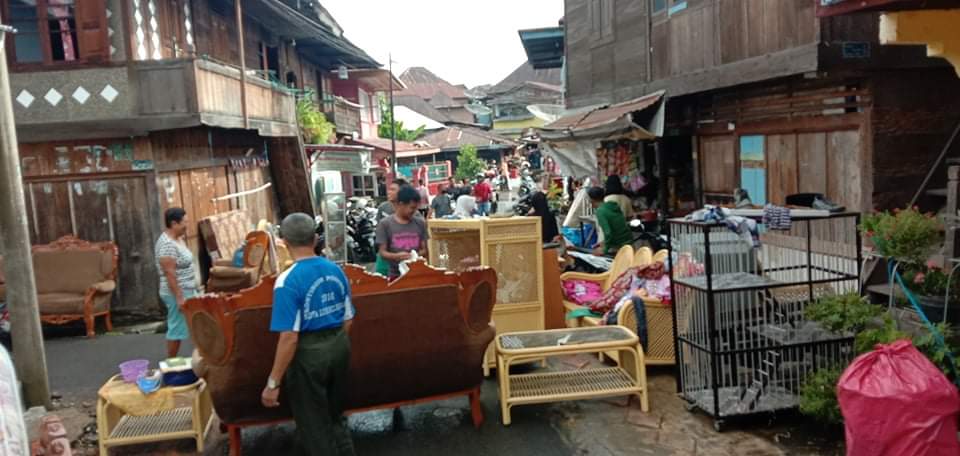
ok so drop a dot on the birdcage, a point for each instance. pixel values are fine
(743, 344)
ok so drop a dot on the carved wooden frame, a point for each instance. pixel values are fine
(223, 308)
(68, 243)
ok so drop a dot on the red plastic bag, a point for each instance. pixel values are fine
(895, 402)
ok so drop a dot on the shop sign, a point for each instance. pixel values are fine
(351, 162)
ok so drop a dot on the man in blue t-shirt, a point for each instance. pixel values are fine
(312, 312)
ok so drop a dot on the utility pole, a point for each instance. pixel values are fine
(29, 358)
(393, 122)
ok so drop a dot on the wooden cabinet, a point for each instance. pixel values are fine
(513, 248)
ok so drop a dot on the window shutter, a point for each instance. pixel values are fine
(91, 18)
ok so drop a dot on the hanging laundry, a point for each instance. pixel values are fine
(776, 217)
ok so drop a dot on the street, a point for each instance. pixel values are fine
(606, 427)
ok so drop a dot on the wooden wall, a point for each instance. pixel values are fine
(598, 69)
(97, 190)
(915, 111)
(814, 135)
(117, 189)
(704, 35)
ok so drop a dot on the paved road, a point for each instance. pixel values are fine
(78, 366)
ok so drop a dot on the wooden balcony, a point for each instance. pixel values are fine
(344, 114)
(147, 96)
(212, 91)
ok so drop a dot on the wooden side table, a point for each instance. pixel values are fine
(629, 378)
(190, 418)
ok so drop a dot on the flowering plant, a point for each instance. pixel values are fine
(928, 280)
(905, 234)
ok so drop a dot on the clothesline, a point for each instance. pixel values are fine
(243, 193)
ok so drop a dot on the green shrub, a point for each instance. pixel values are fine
(818, 396)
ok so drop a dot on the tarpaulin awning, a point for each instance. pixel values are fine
(572, 140)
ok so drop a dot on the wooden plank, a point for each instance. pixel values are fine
(770, 25)
(718, 164)
(138, 279)
(91, 210)
(782, 167)
(732, 24)
(812, 158)
(53, 211)
(844, 149)
(756, 39)
(788, 36)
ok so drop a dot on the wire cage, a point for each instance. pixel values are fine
(743, 344)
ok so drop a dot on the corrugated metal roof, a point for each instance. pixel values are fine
(402, 146)
(604, 114)
(454, 137)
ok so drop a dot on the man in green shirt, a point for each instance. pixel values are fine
(616, 233)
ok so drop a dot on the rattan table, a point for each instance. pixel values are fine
(190, 418)
(628, 378)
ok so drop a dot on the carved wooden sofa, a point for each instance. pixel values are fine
(75, 281)
(421, 338)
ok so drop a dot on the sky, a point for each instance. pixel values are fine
(470, 42)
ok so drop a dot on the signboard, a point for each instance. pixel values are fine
(435, 171)
(350, 161)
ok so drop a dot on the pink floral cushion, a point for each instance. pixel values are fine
(620, 288)
(581, 291)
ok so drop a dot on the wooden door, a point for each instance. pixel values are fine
(718, 167)
(99, 210)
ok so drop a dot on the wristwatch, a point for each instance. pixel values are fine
(272, 384)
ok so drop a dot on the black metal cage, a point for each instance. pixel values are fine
(743, 343)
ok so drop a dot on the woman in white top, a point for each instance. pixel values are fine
(614, 191)
(466, 204)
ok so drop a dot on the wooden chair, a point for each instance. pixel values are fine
(622, 262)
(643, 256)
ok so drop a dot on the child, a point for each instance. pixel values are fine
(402, 232)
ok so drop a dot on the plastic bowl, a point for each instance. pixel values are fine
(131, 370)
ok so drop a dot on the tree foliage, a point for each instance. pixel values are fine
(386, 120)
(468, 163)
(314, 127)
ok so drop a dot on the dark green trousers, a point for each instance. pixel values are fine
(315, 384)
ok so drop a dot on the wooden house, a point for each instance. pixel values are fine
(126, 107)
(765, 95)
(525, 86)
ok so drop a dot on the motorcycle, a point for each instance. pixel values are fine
(523, 206)
(361, 230)
(650, 234)
(527, 185)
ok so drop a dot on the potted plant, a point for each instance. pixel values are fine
(910, 238)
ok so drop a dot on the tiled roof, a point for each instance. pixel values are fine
(424, 84)
(421, 106)
(526, 73)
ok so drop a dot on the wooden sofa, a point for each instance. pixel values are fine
(420, 338)
(75, 281)
(660, 347)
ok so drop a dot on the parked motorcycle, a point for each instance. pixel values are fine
(361, 230)
(523, 206)
(650, 233)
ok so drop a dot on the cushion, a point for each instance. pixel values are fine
(581, 291)
(105, 287)
(60, 303)
(620, 288)
(224, 233)
(71, 271)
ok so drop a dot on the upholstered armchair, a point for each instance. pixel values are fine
(75, 281)
(224, 276)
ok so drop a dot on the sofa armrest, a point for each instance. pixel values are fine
(598, 278)
(223, 262)
(229, 272)
(107, 286)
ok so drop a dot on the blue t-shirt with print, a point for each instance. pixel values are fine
(312, 295)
